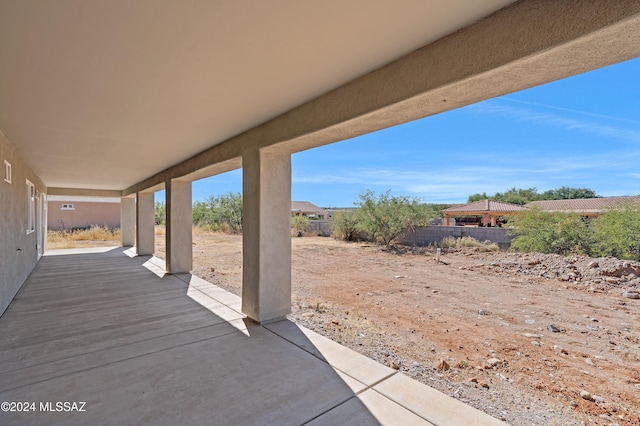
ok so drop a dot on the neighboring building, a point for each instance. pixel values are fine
(66, 212)
(487, 210)
(584, 206)
(307, 209)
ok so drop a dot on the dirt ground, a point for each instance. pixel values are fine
(530, 339)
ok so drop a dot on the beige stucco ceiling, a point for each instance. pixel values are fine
(102, 94)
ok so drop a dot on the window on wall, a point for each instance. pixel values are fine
(7, 171)
(31, 207)
(67, 207)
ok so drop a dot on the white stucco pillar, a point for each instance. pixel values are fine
(179, 220)
(145, 223)
(266, 235)
(127, 221)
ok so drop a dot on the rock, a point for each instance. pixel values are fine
(492, 362)
(535, 343)
(393, 364)
(553, 328)
(586, 395)
(631, 294)
(530, 321)
(473, 380)
(612, 280)
(532, 336)
(593, 264)
(598, 399)
(589, 361)
(485, 385)
(573, 403)
(482, 312)
(443, 365)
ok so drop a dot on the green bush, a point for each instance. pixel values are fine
(539, 231)
(617, 233)
(221, 213)
(300, 224)
(345, 226)
(160, 212)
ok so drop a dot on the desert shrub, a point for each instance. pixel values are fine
(160, 230)
(300, 224)
(453, 242)
(344, 226)
(535, 230)
(160, 213)
(222, 213)
(617, 233)
(385, 217)
(65, 238)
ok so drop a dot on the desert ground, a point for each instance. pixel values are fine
(528, 338)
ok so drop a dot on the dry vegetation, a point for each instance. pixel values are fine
(96, 236)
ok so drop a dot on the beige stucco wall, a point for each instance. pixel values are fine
(84, 215)
(18, 250)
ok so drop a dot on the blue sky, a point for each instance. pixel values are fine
(583, 131)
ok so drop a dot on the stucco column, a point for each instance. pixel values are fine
(447, 220)
(127, 221)
(266, 235)
(179, 220)
(145, 223)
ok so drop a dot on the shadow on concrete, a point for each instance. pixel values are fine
(130, 346)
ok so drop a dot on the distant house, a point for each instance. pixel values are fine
(305, 208)
(67, 212)
(584, 206)
(488, 212)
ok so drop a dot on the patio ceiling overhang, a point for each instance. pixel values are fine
(120, 96)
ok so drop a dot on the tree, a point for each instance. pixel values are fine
(223, 212)
(523, 196)
(160, 213)
(567, 193)
(535, 230)
(478, 197)
(386, 217)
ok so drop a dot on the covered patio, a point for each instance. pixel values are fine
(129, 344)
(127, 98)
(488, 210)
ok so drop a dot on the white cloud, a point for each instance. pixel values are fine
(628, 133)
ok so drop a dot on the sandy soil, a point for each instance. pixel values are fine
(517, 336)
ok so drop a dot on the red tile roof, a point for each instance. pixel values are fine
(584, 205)
(487, 206)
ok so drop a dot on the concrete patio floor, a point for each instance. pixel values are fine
(129, 345)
